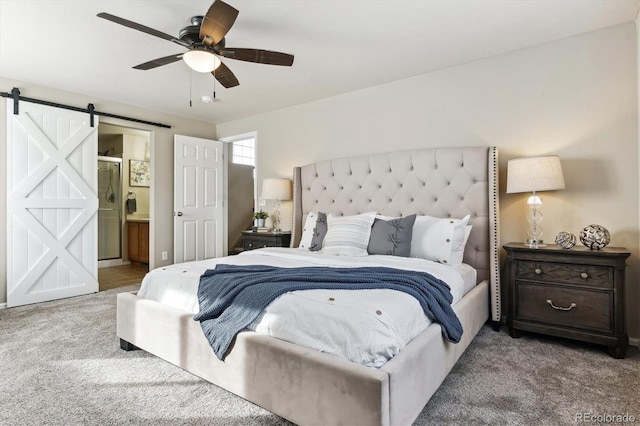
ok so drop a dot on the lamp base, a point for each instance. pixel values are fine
(531, 243)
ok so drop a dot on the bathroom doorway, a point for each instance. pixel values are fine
(120, 148)
(109, 208)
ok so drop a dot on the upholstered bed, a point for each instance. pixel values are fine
(311, 387)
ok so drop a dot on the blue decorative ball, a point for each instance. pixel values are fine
(595, 237)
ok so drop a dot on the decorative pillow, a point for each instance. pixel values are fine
(313, 231)
(435, 239)
(348, 235)
(307, 230)
(392, 237)
(457, 250)
(319, 232)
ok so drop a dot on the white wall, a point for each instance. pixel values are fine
(136, 148)
(576, 98)
(161, 207)
(638, 110)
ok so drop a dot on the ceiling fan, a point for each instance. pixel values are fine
(205, 39)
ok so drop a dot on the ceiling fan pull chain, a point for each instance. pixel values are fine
(190, 89)
(214, 83)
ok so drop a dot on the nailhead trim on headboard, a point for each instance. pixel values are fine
(494, 226)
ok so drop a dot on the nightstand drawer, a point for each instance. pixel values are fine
(255, 243)
(255, 240)
(582, 309)
(583, 275)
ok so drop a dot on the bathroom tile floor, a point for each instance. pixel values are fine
(120, 276)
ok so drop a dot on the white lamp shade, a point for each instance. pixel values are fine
(532, 174)
(201, 60)
(276, 189)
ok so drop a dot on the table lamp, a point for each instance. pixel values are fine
(278, 190)
(534, 174)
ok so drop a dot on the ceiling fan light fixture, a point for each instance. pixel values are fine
(201, 60)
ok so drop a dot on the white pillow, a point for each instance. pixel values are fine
(307, 230)
(440, 240)
(457, 250)
(348, 235)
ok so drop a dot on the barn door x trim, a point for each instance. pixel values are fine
(51, 205)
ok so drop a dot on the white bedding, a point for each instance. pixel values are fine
(366, 326)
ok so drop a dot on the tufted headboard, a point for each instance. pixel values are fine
(439, 182)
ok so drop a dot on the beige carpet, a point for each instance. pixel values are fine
(60, 364)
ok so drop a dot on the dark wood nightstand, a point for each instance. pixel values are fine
(254, 240)
(576, 293)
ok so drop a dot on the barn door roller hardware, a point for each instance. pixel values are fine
(90, 109)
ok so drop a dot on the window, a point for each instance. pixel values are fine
(244, 151)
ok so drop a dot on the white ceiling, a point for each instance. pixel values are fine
(339, 46)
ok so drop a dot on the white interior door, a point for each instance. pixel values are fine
(198, 199)
(52, 204)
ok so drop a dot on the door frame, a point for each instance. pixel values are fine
(228, 152)
(151, 131)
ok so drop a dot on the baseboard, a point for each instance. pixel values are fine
(3, 306)
(112, 262)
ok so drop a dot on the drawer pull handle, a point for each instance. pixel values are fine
(573, 305)
(538, 271)
(584, 275)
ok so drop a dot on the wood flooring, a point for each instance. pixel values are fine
(120, 276)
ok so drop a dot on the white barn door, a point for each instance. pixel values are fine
(198, 199)
(52, 204)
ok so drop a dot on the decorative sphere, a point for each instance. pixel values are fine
(566, 240)
(595, 237)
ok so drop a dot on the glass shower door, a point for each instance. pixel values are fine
(109, 210)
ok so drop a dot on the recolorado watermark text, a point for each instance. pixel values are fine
(605, 418)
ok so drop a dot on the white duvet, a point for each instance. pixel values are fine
(368, 327)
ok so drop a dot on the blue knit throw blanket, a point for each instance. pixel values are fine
(231, 297)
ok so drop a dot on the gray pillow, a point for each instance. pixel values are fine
(319, 232)
(392, 237)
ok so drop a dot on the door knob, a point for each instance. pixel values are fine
(177, 214)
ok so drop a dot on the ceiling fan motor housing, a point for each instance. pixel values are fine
(191, 34)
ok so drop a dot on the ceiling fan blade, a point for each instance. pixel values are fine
(224, 75)
(258, 55)
(143, 28)
(217, 22)
(159, 62)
